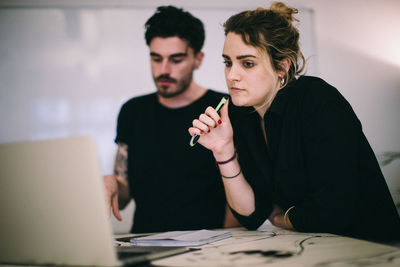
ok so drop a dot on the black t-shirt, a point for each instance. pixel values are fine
(175, 186)
(317, 160)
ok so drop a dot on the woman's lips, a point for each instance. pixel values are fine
(236, 89)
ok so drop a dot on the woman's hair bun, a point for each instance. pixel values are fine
(284, 10)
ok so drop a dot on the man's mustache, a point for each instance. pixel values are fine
(165, 78)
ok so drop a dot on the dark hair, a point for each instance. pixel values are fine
(169, 21)
(272, 31)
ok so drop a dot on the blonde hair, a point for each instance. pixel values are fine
(272, 31)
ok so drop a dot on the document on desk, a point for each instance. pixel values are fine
(181, 238)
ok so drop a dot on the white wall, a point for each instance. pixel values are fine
(67, 66)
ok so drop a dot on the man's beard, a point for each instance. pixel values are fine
(181, 86)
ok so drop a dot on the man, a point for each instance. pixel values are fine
(175, 186)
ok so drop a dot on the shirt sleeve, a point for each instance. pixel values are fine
(123, 126)
(251, 222)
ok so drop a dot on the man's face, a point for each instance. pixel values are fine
(172, 65)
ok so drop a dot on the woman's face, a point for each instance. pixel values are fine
(249, 74)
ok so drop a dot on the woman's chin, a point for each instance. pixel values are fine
(239, 101)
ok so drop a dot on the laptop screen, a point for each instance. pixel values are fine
(53, 207)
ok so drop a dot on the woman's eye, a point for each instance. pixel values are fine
(227, 63)
(248, 64)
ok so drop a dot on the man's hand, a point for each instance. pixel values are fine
(111, 190)
(116, 186)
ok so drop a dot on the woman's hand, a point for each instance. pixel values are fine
(277, 218)
(215, 130)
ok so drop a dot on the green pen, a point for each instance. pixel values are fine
(196, 137)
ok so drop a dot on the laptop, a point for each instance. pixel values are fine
(53, 209)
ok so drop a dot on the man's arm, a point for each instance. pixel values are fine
(117, 188)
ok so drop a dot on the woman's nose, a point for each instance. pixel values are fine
(232, 74)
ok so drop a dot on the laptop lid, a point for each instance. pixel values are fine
(52, 205)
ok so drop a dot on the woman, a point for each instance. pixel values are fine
(291, 149)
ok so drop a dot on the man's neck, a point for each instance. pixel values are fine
(186, 98)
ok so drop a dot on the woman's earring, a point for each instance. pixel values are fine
(282, 81)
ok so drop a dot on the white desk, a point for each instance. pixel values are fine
(271, 246)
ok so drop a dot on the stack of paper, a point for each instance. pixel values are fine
(181, 238)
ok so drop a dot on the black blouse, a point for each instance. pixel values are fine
(317, 160)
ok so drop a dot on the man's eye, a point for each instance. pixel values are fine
(248, 64)
(227, 63)
(156, 59)
(176, 60)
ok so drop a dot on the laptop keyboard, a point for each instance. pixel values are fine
(129, 252)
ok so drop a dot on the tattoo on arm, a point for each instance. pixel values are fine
(121, 161)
